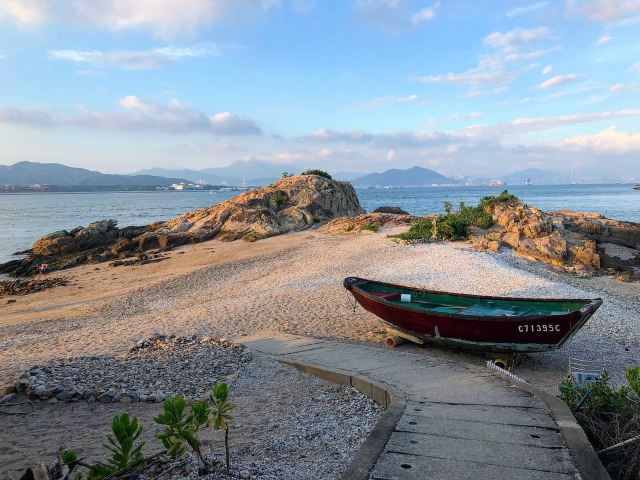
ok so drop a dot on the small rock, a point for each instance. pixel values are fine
(105, 398)
(43, 392)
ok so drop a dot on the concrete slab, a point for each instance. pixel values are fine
(483, 413)
(490, 432)
(481, 451)
(393, 466)
(357, 359)
(284, 346)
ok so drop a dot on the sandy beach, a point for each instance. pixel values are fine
(293, 283)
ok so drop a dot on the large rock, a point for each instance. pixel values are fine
(96, 234)
(575, 241)
(291, 204)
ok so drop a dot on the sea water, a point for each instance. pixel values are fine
(27, 217)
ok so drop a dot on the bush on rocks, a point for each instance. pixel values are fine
(609, 417)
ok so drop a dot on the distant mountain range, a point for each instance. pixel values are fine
(411, 177)
(29, 173)
(537, 177)
(238, 173)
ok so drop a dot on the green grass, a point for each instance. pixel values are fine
(371, 227)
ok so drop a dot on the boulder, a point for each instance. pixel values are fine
(291, 204)
(394, 210)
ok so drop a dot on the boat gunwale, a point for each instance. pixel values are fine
(589, 307)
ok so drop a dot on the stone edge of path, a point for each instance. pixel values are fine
(392, 399)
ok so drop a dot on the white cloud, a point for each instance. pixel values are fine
(635, 68)
(384, 101)
(483, 93)
(558, 80)
(625, 87)
(547, 69)
(135, 60)
(604, 40)
(521, 125)
(163, 18)
(424, 15)
(526, 9)
(136, 114)
(515, 39)
(604, 10)
(608, 140)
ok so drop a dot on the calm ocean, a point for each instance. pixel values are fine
(26, 218)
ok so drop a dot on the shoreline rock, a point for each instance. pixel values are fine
(583, 243)
(288, 205)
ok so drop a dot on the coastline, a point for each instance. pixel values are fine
(292, 283)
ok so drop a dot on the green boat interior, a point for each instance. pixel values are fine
(453, 304)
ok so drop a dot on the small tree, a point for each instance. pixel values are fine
(220, 414)
(286, 174)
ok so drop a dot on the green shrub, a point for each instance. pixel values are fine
(315, 171)
(371, 227)
(476, 216)
(600, 395)
(492, 200)
(419, 230)
(451, 226)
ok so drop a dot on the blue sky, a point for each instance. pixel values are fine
(464, 87)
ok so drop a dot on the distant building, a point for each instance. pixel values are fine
(497, 183)
(177, 186)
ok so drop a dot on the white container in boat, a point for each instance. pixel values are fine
(405, 297)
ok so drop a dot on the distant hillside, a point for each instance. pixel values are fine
(537, 177)
(29, 173)
(250, 173)
(411, 177)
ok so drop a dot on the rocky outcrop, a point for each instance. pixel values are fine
(573, 241)
(291, 204)
(343, 225)
(394, 210)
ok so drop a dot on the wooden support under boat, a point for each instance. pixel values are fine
(395, 338)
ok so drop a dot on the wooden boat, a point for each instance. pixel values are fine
(497, 324)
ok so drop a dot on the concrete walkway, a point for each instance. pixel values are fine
(445, 420)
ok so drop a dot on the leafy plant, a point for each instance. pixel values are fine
(181, 429)
(371, 227)
(125, 453)
(633, 377)
(315, 171)
(287, 174)
(220, 410)
(448, 207)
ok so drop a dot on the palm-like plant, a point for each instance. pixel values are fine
(220, 414)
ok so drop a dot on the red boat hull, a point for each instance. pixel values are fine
(504, 334)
